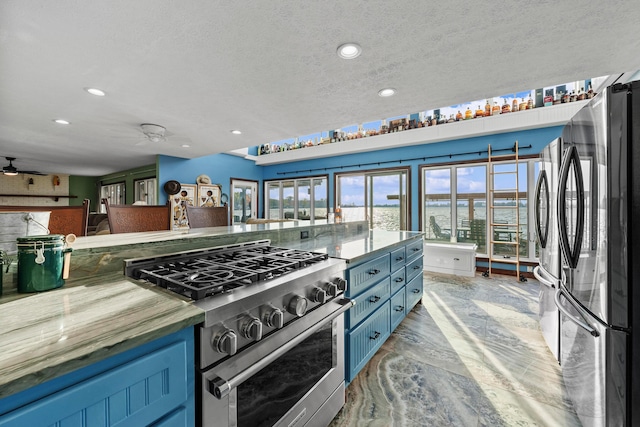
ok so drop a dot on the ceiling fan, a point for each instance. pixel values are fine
(11, 170)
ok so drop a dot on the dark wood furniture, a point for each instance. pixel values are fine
(199, 217)
(63, 219)
(134, 218)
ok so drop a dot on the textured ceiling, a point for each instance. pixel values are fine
(269, 68)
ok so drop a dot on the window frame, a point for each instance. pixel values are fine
(453, 167)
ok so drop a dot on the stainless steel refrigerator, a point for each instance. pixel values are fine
(598, 217)
(548, 271)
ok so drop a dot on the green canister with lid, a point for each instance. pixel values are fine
(40, 262)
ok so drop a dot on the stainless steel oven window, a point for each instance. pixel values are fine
(267, 396)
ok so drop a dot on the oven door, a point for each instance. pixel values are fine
(286, 379)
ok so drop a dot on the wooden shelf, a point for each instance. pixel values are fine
(55, 197)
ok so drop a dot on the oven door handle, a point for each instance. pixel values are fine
(220, 387)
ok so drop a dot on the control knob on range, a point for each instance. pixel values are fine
(251, 328)
(297, 305)
(225, 342)
(318, 295)
(273, 317)
(340, 283)
(331, 289)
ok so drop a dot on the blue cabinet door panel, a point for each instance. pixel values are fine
(368, 302)
(366, 339)
(398, 259)
(414, 249)
(135, 394)
(398, 308)
(414, 292)
(414, 268)
(368, 273)
(398, 280)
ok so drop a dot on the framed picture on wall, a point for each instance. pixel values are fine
(186, 196)
(209, 195)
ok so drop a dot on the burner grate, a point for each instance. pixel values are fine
(217, 270)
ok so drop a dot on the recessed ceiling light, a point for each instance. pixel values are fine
(185, 146)
(94, 91)
(349, 51)
(386, 92)
(236, 132)
(62, 122)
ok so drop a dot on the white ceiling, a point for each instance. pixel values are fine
(270, 69)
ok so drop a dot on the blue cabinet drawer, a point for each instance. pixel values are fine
(398, 280)
(368, 273)
(398, 259)
(366, 339)
(368, 302)
(398, 308)
(134, 394)
(414, 292)
(413, 269)
(414, 249)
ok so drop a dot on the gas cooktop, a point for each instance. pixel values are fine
(202, 273)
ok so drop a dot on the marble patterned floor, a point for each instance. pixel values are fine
(470, 355)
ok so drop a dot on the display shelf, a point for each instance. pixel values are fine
(554, 115)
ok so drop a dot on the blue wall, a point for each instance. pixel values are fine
(219, 167)
(537, 138)
(222, 167)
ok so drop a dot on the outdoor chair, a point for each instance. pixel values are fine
(437, 231)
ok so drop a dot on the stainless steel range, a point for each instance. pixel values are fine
(271, 349)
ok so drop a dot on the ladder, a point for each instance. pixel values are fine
(503, 211)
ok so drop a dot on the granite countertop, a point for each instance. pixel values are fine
(353, 249)
(100, 312)
(52, 333)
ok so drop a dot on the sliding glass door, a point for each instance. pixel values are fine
(378, 197)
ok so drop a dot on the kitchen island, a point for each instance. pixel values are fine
(102, 319)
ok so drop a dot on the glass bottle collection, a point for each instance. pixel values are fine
(552, 96)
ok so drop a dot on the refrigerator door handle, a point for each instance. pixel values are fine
(580, 322)
(542, 184)
(544, 277)
(572, 254)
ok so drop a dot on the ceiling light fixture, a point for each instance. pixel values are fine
(185, 146)
(94, 91)
(155, 133)
(62, 121)
(386, 92)
(236, 132)
(349, 50)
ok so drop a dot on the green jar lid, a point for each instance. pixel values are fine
(43, 238)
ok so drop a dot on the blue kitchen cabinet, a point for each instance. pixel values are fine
(149, 385)
(385, 287)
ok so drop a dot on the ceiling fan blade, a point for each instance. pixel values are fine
(32, 172)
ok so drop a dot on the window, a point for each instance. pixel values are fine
(244, 200)
(379, 197)
(304, 198)
(464, 186)
(145, 191)
(114, 193)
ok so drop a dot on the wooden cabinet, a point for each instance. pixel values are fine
(385, 287)
(150, 385)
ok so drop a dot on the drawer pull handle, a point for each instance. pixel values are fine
(456, 259)
(400, 308)
(400, 279)
(375, 271)
(417, 267)
(399, 258)
(415, 291)
(374, 299)
(375, 335)
(415, 249)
